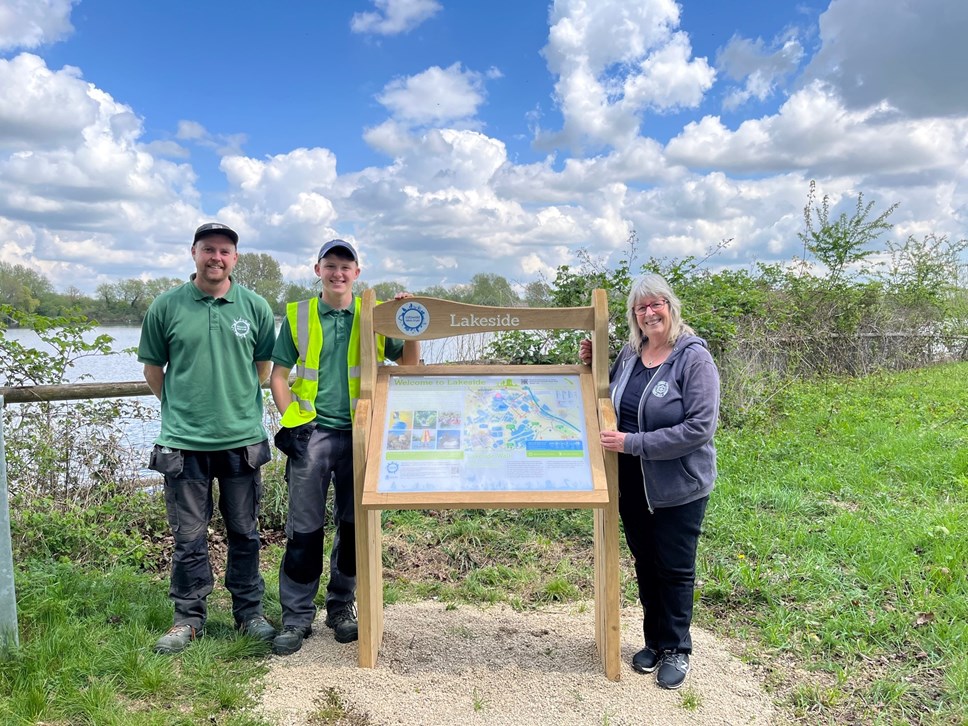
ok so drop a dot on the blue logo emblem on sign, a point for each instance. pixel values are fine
(412, 318)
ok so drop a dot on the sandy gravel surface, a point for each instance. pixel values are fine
(493, 665)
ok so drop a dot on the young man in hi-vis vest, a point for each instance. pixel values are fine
(320, 338)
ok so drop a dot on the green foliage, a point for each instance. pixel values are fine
(126, 301)
(59, 449)
(120, 528)
(23, 288)
(837, 533)
(841, 244)
(261, 273)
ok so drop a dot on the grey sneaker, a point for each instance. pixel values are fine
(344, 625)
(673, 668)
(257, 627)
(177, 639)
(646, 660)
(290, 639)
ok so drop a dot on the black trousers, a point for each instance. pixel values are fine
(663, 544)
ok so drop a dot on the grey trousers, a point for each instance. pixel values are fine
(328, 459)
(189, 503)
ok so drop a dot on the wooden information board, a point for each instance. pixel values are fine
(482, 436)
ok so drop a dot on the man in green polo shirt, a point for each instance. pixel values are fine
(205, 346)
(320, 338)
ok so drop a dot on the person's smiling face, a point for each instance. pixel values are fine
(337, 274)
(215, 257)
(652, 315)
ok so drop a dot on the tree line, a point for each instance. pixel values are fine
(125, 302)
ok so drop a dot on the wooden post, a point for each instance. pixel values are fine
(369, 536)
(608, 633)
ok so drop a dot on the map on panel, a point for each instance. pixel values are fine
(485, 433)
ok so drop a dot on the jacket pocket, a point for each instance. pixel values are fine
(670, 481)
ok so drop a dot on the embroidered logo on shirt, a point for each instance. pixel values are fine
(241, 327)
(661, 389)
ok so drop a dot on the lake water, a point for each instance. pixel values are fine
(123, 366)
(139, 430)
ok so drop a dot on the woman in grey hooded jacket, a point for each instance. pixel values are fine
(665, 389)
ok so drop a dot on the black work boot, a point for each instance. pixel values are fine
(290, 639)
(343, 622)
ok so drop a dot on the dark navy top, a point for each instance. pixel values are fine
(628, 415)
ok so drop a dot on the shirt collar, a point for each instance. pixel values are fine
(229, 296)
(326, 309)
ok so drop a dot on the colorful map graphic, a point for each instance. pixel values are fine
(453, 433)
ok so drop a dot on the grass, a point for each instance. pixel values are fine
(86, 656)
(834, 554)
(839, 535)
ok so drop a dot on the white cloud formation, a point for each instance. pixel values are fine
(222, 144)
(815, 133)
(85, 199)
(905, 53)
(32, 23)
(71, 165)
(435, 96)
(760, 68)
(29, 91)
(393, 17)
(615, 59)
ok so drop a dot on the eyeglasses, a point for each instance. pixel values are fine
(644, 308)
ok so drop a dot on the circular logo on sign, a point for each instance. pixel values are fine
(392, 467)
(412, 318)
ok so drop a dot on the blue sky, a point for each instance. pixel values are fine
(451, 138)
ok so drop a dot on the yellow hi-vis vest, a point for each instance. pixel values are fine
(307, 334)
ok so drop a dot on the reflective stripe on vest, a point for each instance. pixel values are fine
(307, 334)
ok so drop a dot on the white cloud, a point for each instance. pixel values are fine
(32, 23)
(435, 96)
(907, 53)
(30, 91)
(615, 59)
(84, 198)
(283, 203)
(222, 144)
(72, 166)
(393, 17)
(760, 68)
(814, 132)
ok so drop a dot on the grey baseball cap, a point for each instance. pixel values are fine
(210, 228)
(333, 244)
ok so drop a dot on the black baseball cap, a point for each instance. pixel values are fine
(333, 244)
(210, 228)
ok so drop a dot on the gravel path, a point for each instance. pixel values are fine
(493, 665)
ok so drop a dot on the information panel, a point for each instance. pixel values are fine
(501, 433)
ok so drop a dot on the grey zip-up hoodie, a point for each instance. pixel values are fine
(678, 413)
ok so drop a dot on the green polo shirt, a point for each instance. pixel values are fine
(211, 399)
(332, 402)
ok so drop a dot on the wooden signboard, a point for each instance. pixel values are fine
(482, 436)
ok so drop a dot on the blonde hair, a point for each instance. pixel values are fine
(652, 285)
